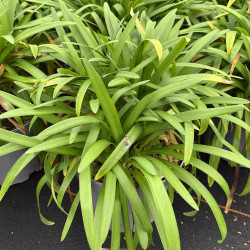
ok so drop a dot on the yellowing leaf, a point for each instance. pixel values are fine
(211, 25)
(230, 39)
(158, 47)
(138, 24)
(235, 61)
(230, 3)
(2, 68)
(34, 50)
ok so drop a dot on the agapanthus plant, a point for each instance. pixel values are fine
(124, 111)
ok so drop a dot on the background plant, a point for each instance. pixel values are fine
(230, 54)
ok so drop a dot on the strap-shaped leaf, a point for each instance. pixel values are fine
(217, 151)
(230, 39)
(141, 233)
(119, 151)
(30, 142)
(41, 111)
(9, 148)
(24, 104)
(72, 170)
(237, 121)
(175, 182)
(247, 187)
(116, 221)
(126, 219)
(196, 162)
(208, 113)
(243, 21)
(133, 197)
(108, 205)
(98, 215)
(188, 178)
(105, 101)
(144, 164)
(70, 216)
(189, 141)
(86, 205)
(18, 166)
(154, 97)
(121, 42)
(172, 120)
(67, 124)
(170, 58)
(39, 186)
(150, 200)
(165, 210)
(90, 156)
(54, 143)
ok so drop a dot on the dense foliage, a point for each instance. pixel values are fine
(123, 92)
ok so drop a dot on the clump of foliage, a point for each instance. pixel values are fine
(232, 55)
(127, 101)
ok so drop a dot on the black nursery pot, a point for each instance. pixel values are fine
(7, 161)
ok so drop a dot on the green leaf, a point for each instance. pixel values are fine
(144, 164)
(208, 112)
(9, 38)
(150, 200)
(243, 21)
(195, 162)
(108, 205)
(247, 187)
(116, 221)
(165, 210)
(18, 166)
(124, 90)
(119, 151)
(133, 197)
(94, 105)
(140, 232)
(39, 186)
(66, 125)
(54, 143)
(219, 152)
(90, 156)
(126, 74)
(189, 140)
(230, 39)
(172, 120)
(34, 50)
(118, 82)
(70, 216)
(174, 182)
(40, 28)
(192, 181)
(105, 101)
(154, 97)
(200, 44)
(39, 111)
(86, 205)
(126, 219)
(118, 47)
(9, 148)
(170, 58)
(230, 3)
(80, 96)
(70, 174)
(30, 142)
(158, 47)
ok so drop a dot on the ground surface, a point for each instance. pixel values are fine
(21, 228)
